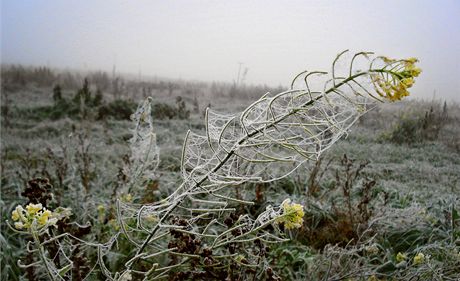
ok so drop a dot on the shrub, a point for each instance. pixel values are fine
(117, 109)
(416, 129)
(163, 111)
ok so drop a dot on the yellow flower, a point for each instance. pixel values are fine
(32, 209)
(393, 84)
(415, 72)
(412, 60)
(410, 70)
(292, 216)
(43, 217)
(18, 214)
(15, 215)
(419, 258)
(408, 82)
(35, 215)
(401, 257)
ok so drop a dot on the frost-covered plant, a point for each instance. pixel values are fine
(198, 231)
(36, 221)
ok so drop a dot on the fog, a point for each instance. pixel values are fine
(210, 40)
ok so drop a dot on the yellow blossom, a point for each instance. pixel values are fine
(411, 60)
(43, 217)
(401, 257)
(292, 216)
(35, 216)
(15, 215)
(408, 82)
(393, 84)
(32, 209)
(419, 258)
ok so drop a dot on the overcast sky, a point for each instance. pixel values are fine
(206, 40)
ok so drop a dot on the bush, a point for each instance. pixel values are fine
(162, 111)
(417, 129)
(54, 112)
(118, 109)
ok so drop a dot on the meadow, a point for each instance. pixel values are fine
(382, 203)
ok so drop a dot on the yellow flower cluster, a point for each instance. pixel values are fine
(393, 84)
(32, 214)
(419, 259)
(292, 216)
(401, 257)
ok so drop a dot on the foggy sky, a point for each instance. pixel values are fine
(206, 40)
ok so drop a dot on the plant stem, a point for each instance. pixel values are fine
(41, 252)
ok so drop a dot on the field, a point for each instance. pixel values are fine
(383, 203)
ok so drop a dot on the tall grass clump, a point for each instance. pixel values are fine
(203, 230)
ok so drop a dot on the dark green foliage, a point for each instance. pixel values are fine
(406, 131)
(162, 111)
(61, 110)
(118, 110)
